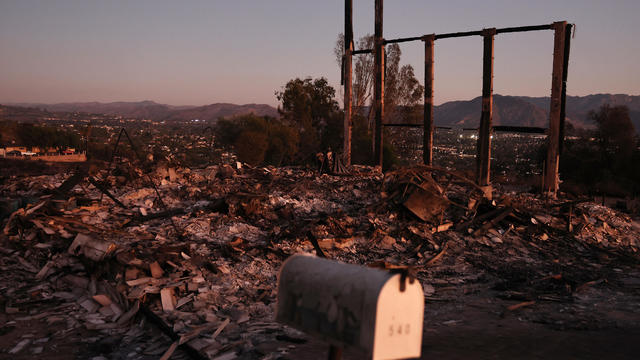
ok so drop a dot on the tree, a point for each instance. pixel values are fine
(258, 139)
(402, 90)
(607, 164)
(251, 146)
(615, 130)
(310, 105)
(362, 70)
(308, 99)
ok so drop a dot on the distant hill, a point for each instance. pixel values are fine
(158, 112)
(578, 107)
(141, 109)
(507, 110)
(216, 111)
(22, 114)
(531, 111)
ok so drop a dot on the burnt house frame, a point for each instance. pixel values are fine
(557, 111)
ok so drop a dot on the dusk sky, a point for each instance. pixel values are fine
(202, 52)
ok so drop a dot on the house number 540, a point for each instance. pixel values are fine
(399, 329)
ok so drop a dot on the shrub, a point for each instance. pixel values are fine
(251, 147)
(258, 139)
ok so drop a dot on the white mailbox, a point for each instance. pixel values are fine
(349, 305)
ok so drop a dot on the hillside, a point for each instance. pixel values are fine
(158, 112)
(142, 109)
(216, 111)
(23, 114)
(578, 107)
(531, 111)
(507, 110)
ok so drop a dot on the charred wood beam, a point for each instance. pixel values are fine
(378, 83)
(347, 75)
(403, 125)
(71, 182)
(565, 71)
(103, 189)
(555, 110)
(520, 129)
(524, 28)
(418, 126)
(493, 222)
(473, 33)
(316, 245)
(362, 51)
(168, 330)
(483, 157)
(427, 143)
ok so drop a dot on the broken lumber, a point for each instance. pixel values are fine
(168, 300)
(104, 190)
(93, 249)
(156, 270)
(493, 222)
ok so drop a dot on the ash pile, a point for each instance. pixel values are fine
(182, 263)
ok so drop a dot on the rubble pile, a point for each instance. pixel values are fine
(196, 252)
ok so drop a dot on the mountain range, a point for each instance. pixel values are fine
(158, 112)
(507, 110)
(531, 111)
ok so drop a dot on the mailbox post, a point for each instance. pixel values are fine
(376, 311)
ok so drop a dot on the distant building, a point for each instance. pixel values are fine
(16, 148)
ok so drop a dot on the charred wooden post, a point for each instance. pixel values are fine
(483, 157)
(427, 143)
(348, 49)
(335, 352)
(553, 154)
(378, 83)
(565, 71)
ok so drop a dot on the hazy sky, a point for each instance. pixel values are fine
(201, 52)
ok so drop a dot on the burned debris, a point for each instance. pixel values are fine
(197, 254)
(135, 259)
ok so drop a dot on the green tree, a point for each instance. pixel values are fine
(283, 144)
(310, 105)
(258, 139)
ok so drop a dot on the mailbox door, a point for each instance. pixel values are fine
(399, 319)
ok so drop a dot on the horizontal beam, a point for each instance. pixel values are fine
(524, 28)
(401, 40)
(418, 125)
(520, 129)
(363, 51)
(500, 128)
(458, 34)
(471, 33)
(403, 125)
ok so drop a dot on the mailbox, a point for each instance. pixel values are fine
(374, 310)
